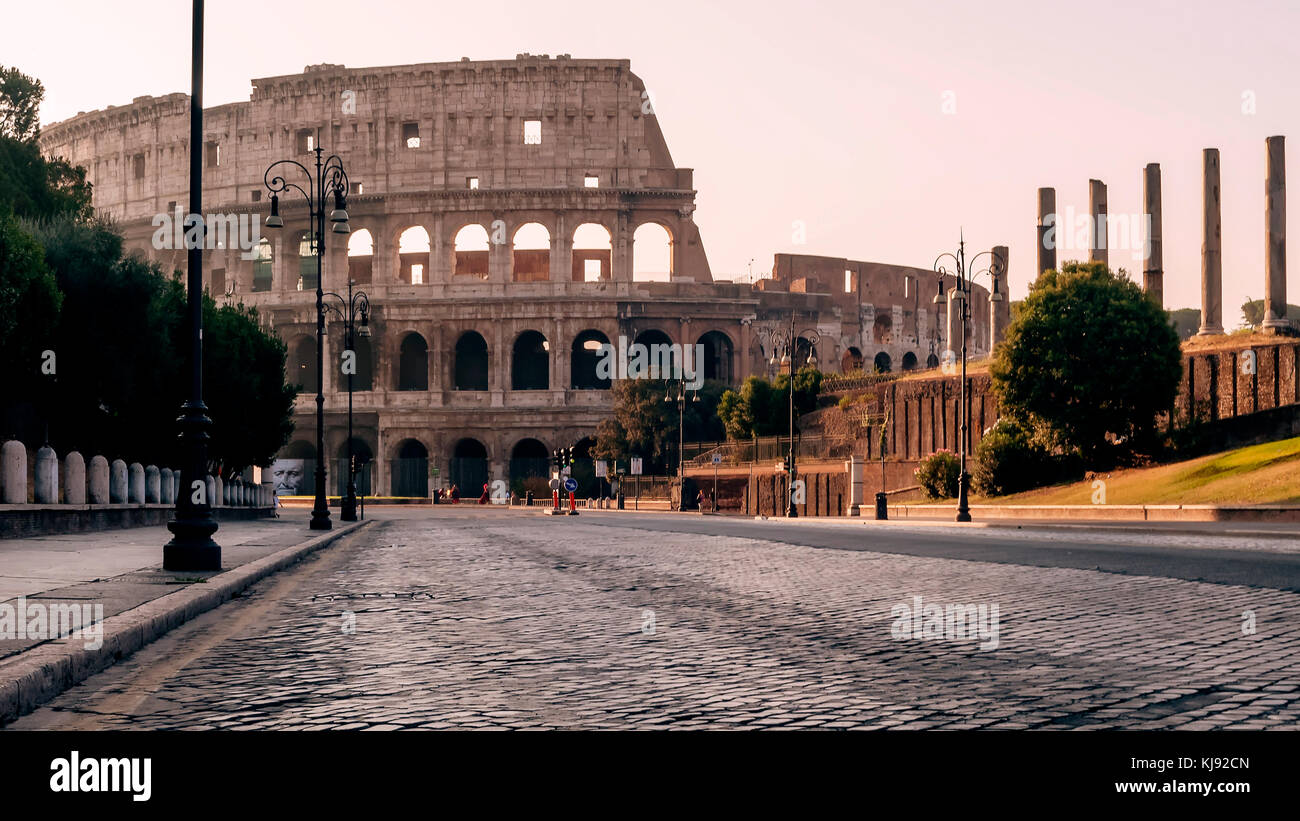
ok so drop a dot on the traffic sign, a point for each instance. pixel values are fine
(570, 484)
(556, 484)
(602, 468)
(717, 458)
(635, 467)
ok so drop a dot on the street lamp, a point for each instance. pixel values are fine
(357, 306)
(329, 179)
(786, 342)
(964, 280)
(681, 442)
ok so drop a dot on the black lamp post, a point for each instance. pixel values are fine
(964, 280)
(681, 441)
(785, 341)
(355, 306)
(328, 179)
(192, 547)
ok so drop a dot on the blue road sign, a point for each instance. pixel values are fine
(570, 484)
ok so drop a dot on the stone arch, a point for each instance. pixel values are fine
(471, 362)
(529, 457)
(718, 356)
(530, 253)
(882, 363)
(592, 253)
(584, 359)
(851, 361)
(300, 366)
(410, 468)
(361, 256)
(470, 248)
(652, 252)
(909, 361)
(306, 256)
(882, 330)
(530, 362)
(365, 458)
(468, 467)
(263, 264)
(413, 363)
(413, 255)
(932, 361)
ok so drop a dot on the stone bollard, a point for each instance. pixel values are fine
(74, 479)
(47, 476)
(176, 484)
(135, 484)
(221, 494)
(152, 485)
(167, 490)
(117, 482)
(98, 480)
(210, 487)
(13, 473)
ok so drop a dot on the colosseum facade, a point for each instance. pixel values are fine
(507, 217)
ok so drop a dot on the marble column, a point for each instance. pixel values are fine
(1153, 271)
(1275, 320)
(1048, 230)
(1211, 247)
(1097, 209)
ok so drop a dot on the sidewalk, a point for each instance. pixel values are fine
(121, 572)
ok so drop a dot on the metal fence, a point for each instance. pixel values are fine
(764, 449)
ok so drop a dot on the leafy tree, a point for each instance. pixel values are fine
(762, 408)
(20, 103)
(1089, 357)
(645, 425)
(1186, 322)
(31, 185)
(1252, 313)
(29, 310)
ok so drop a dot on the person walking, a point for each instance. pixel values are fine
(455, 494)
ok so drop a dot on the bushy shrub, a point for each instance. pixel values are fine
(938, 474)
(1009, 460)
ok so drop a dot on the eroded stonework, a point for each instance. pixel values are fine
(480, 361)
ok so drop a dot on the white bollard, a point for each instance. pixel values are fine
(99, 481)
(135, 484)
(167, 487)
(152, 485)
(74, 479)
(46, 475)
(13, 473)
(117, 482)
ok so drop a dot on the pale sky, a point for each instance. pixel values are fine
(828, 113)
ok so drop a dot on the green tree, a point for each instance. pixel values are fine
(1185, 321)
(762, 408)
(1252, 313)
(645, 425)
(29, 311)
(1089, 357)
(20, 104)
(31, 185)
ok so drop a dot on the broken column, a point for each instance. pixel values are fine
(1211, 247)
(1153, 271)
(1275, 319)
(1000, 311)
(1047, 230)
(1097, 210)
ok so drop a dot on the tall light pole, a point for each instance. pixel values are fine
(787, 342)
(355, 306)
(192, 547)
(329, 179)
(681, 441)
(964, 281)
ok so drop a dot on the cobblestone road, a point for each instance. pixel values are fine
(521, 621)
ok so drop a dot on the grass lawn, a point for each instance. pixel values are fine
(1256, 475)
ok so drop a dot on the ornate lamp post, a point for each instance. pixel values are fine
(681, 442)
(356, 306)
(786, 341)
(192, 547)
(964, 280)
(328, 179)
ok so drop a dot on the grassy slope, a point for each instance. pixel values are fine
(1256, 475)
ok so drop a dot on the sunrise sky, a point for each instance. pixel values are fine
(831, 114)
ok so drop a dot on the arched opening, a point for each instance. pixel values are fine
(909, 361)
(882, 364)
(530, 258)
(932, 361)
(592, 253)
(262, 266)
(306, 262)
(471, 252)
(530, 364)
(528, 458)
(851, 362)
(363, 377)
(301, 365)
(469, 467)
(657, 361)
(717, 357)
(363, 458)
(471, 362)
(293, 471)
(584, 361)
(413, 255)
(361, 256)
(803, 353)
(652, 253)
(882, 330)
(413, 364)
(411, 469)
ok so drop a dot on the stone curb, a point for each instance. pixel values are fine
(32, 678)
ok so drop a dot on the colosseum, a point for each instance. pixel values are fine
(508, 217)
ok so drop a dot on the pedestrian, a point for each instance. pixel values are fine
(455, 494)
(484, 498)
(699, 500)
